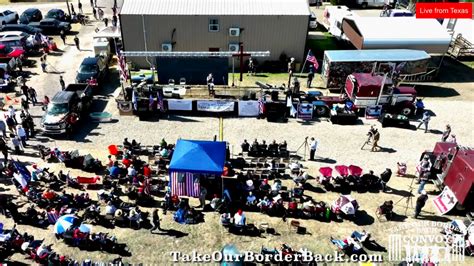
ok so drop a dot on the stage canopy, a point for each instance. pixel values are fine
(196, 156)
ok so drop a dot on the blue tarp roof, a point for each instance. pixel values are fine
(390, 55)
(197, 156)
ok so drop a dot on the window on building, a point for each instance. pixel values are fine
(451, 23)
(213, 25)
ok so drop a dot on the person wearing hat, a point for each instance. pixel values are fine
(239, 218)
(420, 203)
(446, 133)
(424, 121)
(452, 139)
(423, 167)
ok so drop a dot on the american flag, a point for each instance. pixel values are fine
(122, 66)
(184, 184)
(134, 100)
(160, 101)
(151, 101)
(312, 59)
(261, 104)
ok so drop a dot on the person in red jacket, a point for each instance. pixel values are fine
(146, 170)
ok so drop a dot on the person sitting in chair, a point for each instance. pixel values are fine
(263, 148)
(265, 187)
(127, 144)
(225, 219)
(251, 199)
(239, 218)
(254, 149)
(273, 148)
(387, 209)
(215, 203)
(245, 146)
(264, 204)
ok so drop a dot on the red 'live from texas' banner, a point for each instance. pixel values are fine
(444, 10)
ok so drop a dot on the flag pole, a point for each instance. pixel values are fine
(304, 64)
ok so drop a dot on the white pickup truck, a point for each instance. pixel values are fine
(8, 16)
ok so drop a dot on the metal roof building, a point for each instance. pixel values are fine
(277, 26)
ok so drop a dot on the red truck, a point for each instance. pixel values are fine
(453, 167)
(364, 89)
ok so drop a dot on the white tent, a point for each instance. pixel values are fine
(397, 33)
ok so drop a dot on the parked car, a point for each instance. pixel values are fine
(96, 67)
(8, 16)
(374, 3)
(20, 27)
(396, 13)
(8, 34)
(31, 15)
(51, 25)
(19, 42)
(7, 52)
(76, 98)
(57, 14)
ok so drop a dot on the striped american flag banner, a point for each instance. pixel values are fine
(160, 101)
(185, 184)
(122, 66)
(261, 104)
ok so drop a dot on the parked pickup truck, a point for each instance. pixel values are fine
(66, 109)
(51, 25)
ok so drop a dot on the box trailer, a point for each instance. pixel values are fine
(338, 64)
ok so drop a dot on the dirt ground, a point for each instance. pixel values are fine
(451, 101)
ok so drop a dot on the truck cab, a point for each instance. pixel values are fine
(453, 167)
(66, 105)
(364, 89)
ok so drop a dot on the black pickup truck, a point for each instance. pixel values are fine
(66, 109)
(51, 25)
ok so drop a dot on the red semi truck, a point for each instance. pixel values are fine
(453, 167)
(365, 89)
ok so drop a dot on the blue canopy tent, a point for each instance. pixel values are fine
(192, 160)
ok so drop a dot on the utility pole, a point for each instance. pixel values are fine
(68, 8)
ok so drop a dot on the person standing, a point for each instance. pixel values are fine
(72, 9)
(62, 34)
(79, 6)
(25, 104)
(251, 67)
(424, 121)
(11, 124)
(24, 90)
(19, 64)
(92, 3)
(3, 128)
(12, 113)
(310, 78)
(94, 12)
(100, 12)
(4, 149)
(114, 21)
(420, 203)
(291, 69)
(32, 94)
(16, 145)
(446, 133)
(26, 127)
(202, 197)
(375, 140)
(21, 134)
(63, 84)
(156, 221)
(43, 63)
(106, 22)
(76, 42)
(313, 146)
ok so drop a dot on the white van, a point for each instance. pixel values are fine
(332, 19)
(375, 3)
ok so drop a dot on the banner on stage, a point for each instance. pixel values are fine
(248, 108)
(180, 105)
(215, 106)
(445, 201)
(305, 111)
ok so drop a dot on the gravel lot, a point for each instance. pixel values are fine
(340, 144)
